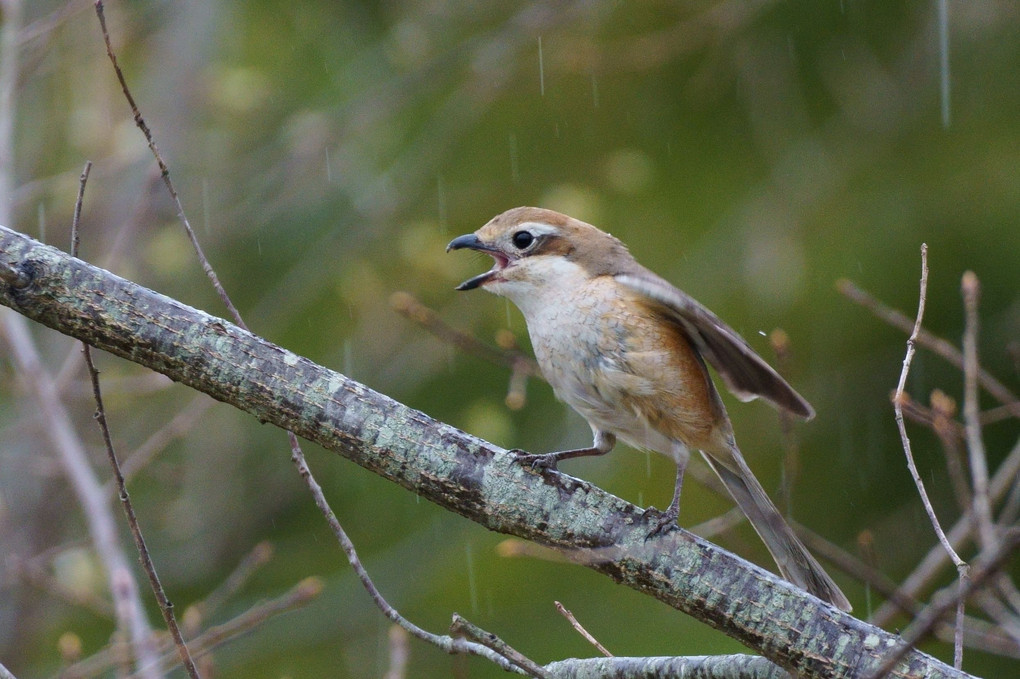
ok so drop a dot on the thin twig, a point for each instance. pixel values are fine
(940, 419)
(999, 413)
(446, 643)
(898, 400)
(399, 652)
(165, 606)
(102, 525)
(299, 595)
(181, 424)
(1005, 478)
(165, 171)
(933, 343)
(975, 444)
(408, 306)
(1010, 594)
(33, 574)
(945, 426)
(462, 628)
(961, 566)
(579, 628)
(779, 340)
(128, 609)
(979, 634)
(1010, 510)
(82, 180)
(720, 524)
(986, 567)
(252, 561)
(993, 601)
(862, 569)
(971, 412)
(9, 71)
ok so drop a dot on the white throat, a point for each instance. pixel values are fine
(537, 284)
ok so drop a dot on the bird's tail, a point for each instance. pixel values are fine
(794, 560)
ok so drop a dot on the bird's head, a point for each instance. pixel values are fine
(537, 252)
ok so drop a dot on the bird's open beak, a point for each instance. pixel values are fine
(473, 242)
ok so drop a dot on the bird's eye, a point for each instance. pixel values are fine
(522, 239)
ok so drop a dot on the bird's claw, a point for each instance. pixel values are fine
(538, 463)
(665, 522)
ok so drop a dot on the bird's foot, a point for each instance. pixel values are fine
(666, 521)
(539, 463)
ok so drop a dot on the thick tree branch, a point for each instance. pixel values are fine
(452, 469)
(688, 667)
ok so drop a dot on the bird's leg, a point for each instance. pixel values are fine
(604, 442)
(668, 518)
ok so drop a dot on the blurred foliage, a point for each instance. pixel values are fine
(751, 152)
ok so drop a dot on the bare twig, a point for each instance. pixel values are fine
(898, 408)
(986, 567)
(462, 628)
(165, 607)
(446, 643)
(930, 566)
(521, 365)
(943, 412)
(33, 574)
(999, 413)
(82, 180)
(399, 652)
(940, 418)
(165, 171)
(130, 613)
(299, 595)
(1011, 507)
(9, 68)
(862, 569)
(722, 523)
(961, 566)
(933, 343)
(252, 561)
(971, 412)
(780, 343)
(978, 634)
(579, 628)
(158, 441)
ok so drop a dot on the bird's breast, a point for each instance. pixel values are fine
(625, 369)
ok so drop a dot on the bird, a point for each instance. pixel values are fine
(628, 350)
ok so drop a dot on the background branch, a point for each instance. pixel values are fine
(99, 517)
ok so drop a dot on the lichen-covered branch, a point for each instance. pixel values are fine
(444, 465)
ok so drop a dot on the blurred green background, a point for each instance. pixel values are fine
(751, 152)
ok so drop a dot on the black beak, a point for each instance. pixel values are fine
(469, 241)
(472, 242)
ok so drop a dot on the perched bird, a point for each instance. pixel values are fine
(627, 350)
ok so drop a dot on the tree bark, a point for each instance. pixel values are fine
(445, 465)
